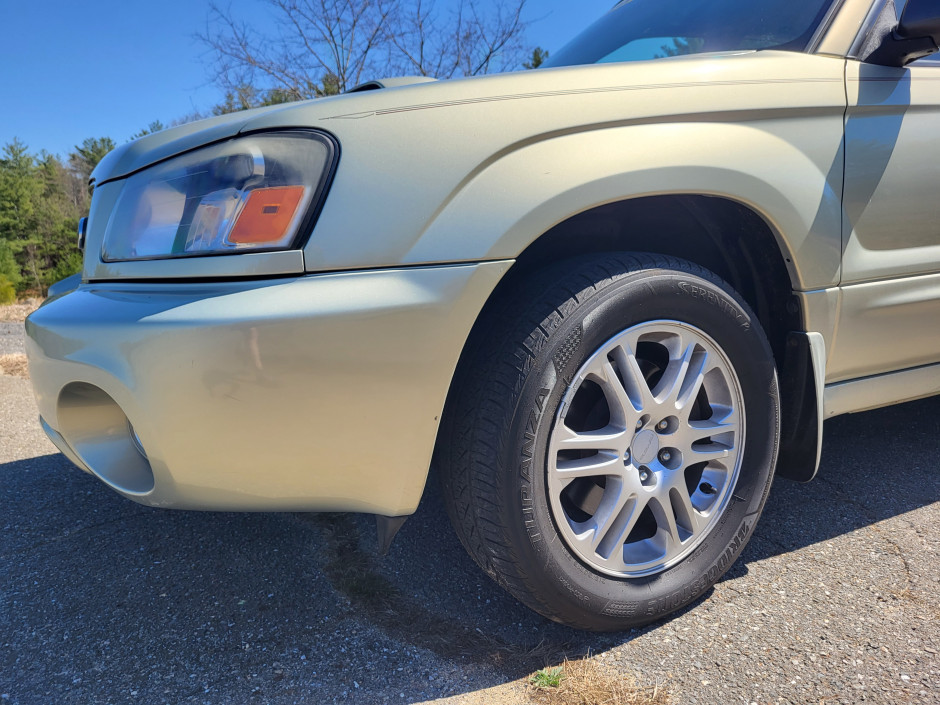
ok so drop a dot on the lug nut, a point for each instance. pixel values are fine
(665, 456)
(639, 424)
(626, 457)
(644, 475)
(662, 425)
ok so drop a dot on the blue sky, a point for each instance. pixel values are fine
(71, 70)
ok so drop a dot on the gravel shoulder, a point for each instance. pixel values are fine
(17, 312)
(836, 599)
(12, 338)
(12, 332)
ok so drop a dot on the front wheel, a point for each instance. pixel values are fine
(611, 438)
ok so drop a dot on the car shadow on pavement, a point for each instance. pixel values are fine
(875, 465)
(107, 600)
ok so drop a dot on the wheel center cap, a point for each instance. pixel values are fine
(644, 448)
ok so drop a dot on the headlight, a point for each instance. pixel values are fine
(252, 193)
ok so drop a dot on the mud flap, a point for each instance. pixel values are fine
(802, 381)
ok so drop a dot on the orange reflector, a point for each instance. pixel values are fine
(267, 215)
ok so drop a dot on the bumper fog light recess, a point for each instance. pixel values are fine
(99, 432)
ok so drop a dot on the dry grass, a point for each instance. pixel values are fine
(585, 682)
(17, 313)
(14, 365)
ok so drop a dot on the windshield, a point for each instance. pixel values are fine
(636, 30)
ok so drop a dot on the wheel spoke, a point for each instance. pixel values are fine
(670, 384)
(634, 381)
(699, 365)
(681, 518)
(599, 464)
(683, 378)
(688, 439)
(608, 438)
(686, 515)
(706, 453)
(668, 533)
(624, 407)
(613, 523)
(700, 430)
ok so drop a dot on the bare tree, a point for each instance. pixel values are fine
(324, 47)
(467, 41)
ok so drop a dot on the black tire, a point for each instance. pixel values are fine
(504, 403)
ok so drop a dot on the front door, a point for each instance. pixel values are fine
(890, 314)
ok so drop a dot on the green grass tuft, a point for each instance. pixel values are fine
(548, 677)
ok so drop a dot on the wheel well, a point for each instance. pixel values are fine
(719, 234)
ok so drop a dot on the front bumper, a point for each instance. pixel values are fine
(316, 393)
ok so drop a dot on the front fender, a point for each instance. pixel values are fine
(789, 171)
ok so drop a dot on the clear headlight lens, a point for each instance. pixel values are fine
(248, 194)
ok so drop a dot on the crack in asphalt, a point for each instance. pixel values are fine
(874, 524)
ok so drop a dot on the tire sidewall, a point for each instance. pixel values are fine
(605, 602)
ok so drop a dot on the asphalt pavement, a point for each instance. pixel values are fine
(835, 600)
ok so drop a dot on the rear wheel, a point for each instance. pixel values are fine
(611, 439)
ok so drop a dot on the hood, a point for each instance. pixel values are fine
(409, 94)
(155, 147)
(149, 149)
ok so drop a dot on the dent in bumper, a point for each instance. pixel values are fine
(314, 393)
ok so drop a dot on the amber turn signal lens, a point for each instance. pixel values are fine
(267, 215)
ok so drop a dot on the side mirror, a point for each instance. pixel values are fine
(920, 19)
(915, 36)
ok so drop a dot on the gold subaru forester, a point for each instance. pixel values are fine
(609, 299)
